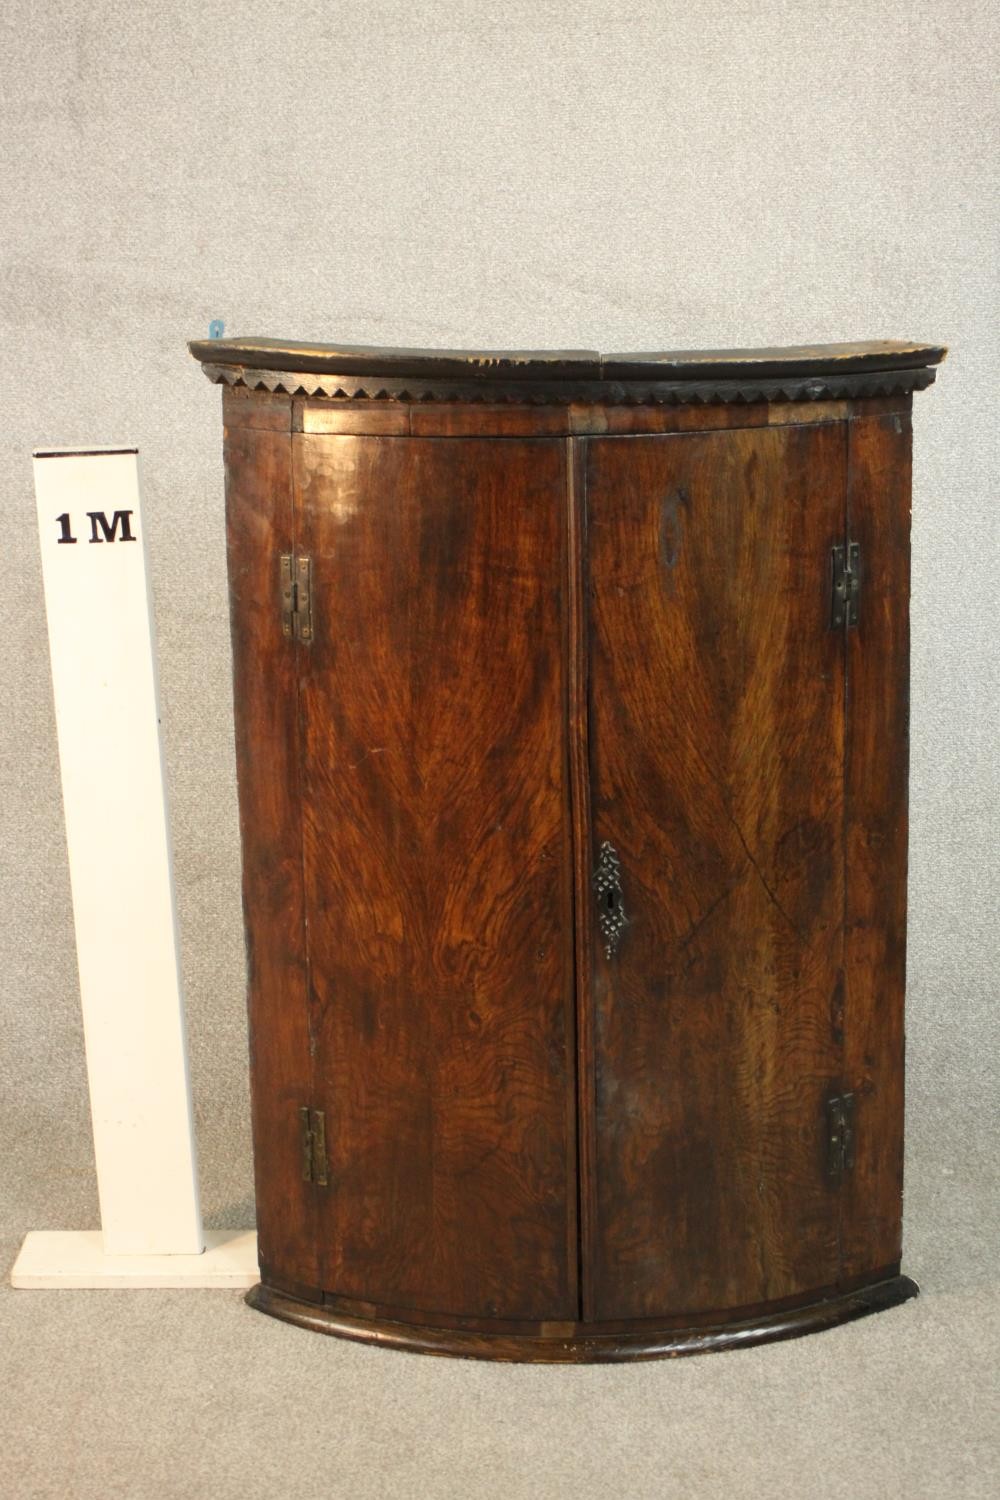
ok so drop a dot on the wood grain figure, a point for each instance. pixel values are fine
(571, 701)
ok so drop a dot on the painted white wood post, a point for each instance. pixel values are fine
(104, 681)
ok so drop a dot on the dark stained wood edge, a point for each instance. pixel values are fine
(800, 359)
(833, 385)
(489, 365)
(260, 525)
(568, 612)
(578, 721)
(299, 661)
(879, 488)
(366, 359)
(838, 1085)
(572, 1344)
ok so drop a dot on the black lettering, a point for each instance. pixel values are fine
(99, 519)
(63, 523)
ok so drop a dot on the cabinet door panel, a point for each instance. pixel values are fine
(259, 527)
(877, 767)
(717, 773)
(437, 871)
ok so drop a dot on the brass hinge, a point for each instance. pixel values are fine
(839, 1134)
(296, 596)
(312, 1123)
(845, 585)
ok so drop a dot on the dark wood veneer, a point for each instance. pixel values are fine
(579, 1343)
(572, 611)
(717, 770)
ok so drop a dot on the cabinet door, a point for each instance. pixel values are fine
(717, 779)
(437, 871)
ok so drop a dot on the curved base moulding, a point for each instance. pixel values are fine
(578, 1346)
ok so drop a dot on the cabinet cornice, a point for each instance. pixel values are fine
(819, 372)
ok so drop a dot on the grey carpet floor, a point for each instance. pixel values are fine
(181, 1394)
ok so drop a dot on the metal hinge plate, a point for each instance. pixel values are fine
(312, 1126)
(296, 596)
(845, 585)
(839, 1134)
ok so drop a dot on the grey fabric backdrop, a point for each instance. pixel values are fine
(529, 174)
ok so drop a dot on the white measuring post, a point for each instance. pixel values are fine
(107, 718)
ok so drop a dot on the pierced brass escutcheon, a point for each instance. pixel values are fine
(611, 916)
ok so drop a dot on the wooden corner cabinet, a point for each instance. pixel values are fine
(571, 718)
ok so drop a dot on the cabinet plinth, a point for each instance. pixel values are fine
(571, 716)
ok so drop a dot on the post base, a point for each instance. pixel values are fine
(75, 1259)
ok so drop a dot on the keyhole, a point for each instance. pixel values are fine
(610, 900)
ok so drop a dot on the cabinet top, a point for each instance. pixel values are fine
(804, 371)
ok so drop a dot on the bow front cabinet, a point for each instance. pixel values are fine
(571, 717)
